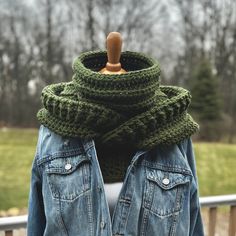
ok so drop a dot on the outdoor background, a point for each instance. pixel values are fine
(193, 40)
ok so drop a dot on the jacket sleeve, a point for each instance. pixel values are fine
(36, 217)
(196, 224)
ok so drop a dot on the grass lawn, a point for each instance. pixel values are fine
(216, 165)
(17, 148)
(216, 168)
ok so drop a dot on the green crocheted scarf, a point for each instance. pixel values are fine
(129, 109)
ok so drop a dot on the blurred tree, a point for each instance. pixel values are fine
(15, 65)
(40, 38)
(206, 100)
(207, 29)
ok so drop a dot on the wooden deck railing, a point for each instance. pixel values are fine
(8, 224)
(213, 203)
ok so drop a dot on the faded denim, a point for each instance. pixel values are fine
(159, 196)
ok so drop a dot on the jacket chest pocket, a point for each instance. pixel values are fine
(164, 191)
(69, 177)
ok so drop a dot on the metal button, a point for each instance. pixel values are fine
(102, 224)
(165, 181)
(68, 166)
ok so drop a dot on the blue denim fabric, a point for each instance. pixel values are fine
(159, 195)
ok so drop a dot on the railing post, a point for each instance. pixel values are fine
(232, 221)
(212, 221)
(9, 233)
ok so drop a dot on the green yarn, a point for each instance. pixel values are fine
(129, 110)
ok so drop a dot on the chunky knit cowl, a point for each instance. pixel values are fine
(122, 113)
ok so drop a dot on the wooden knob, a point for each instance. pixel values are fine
(114, 45)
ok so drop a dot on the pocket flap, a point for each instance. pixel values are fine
(65, 165)
(165, 179)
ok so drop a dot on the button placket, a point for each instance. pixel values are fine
(99, 189)
(66, 142)
(102, 224)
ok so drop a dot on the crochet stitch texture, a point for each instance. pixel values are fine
(131, 110)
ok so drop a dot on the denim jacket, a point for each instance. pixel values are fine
(159, 195)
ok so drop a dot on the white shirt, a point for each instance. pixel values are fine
(112, 191)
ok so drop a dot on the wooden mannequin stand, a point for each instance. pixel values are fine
(113, 66)
(114, 45)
